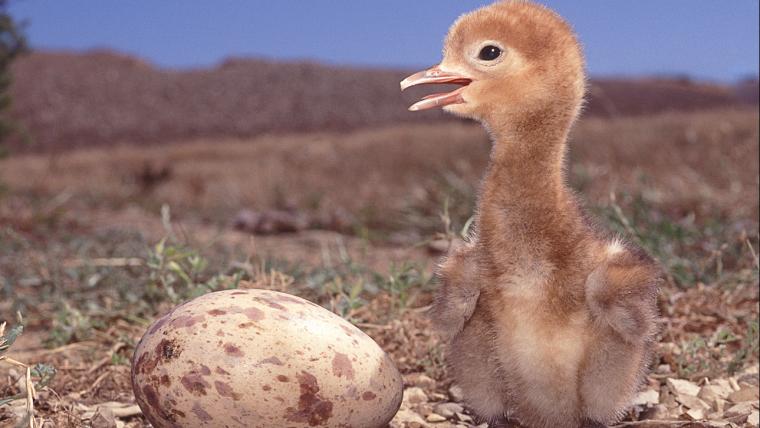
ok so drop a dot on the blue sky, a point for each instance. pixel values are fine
(708, 39)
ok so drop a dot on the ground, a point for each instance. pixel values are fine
(95, 244)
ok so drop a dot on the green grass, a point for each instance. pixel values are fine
(81, 284)
(708, 251)
(38, 376)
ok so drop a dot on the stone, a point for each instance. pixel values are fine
(423, 381)
(744, 394)
(715, 391)
(414, 395)
(695, 414)
(646, 397)
(103, 418)
(456, 394)
(463, 417)
(406, 418)
(437, 396)
(658, 412)
(435, 417)
(721, 405)
(753, 419)
(448, 410)
(693, 402)
(749, 379)
(682, 387)
(741, 409)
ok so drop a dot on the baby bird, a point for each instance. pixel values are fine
(551, 322)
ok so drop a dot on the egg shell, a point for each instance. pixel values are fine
(260, 358)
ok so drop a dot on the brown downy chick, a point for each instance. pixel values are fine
(552, 322)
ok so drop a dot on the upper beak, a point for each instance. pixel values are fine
(435, 75)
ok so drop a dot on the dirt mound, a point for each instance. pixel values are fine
(66, 100)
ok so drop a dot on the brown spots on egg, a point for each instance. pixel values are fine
(233, 350)
(288, 299)
(151, 405)
(168, 349)
(352, 392)
(272, 360)
(225, 390)
(200, 413)
(341, 366)
(271, 304)
(160, 323)
(348, 331)
(151, 396)
(254, 314)
(165, 381)
(186, 321)
(165, 350)
(145, 364)
(194, 383)
(196, 380)
(312, 407)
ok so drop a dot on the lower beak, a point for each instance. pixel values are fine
(436, 75)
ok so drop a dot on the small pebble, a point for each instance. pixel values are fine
(435, 417)
(415, 395)
(744, 394)
(456, 394)
(753, 419)
(464, 418)
(448, 410)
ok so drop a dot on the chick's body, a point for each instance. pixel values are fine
(551, 322)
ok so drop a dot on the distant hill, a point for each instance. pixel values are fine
(73, 99)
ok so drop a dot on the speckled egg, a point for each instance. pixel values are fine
(260, 358)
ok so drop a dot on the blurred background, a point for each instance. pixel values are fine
(103, 71)
(151, 151)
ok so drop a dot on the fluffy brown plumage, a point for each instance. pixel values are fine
(551, 322)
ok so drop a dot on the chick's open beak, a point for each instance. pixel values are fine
(435, 75)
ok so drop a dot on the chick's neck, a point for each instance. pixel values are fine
(525, 204)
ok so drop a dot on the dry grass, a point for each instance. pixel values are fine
(78, 234)
(69, 100)
(700, 162)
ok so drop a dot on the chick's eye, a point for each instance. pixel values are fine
(489, 53)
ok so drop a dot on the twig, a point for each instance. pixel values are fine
(373, 326)
(67, 347)
(754, 254)
(104, 262)
(98, 381)
(114, 349)
(125, 412)
(650, 421)
(29, 387)
(30, 396)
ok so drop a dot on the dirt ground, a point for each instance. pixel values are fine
(356, 221)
